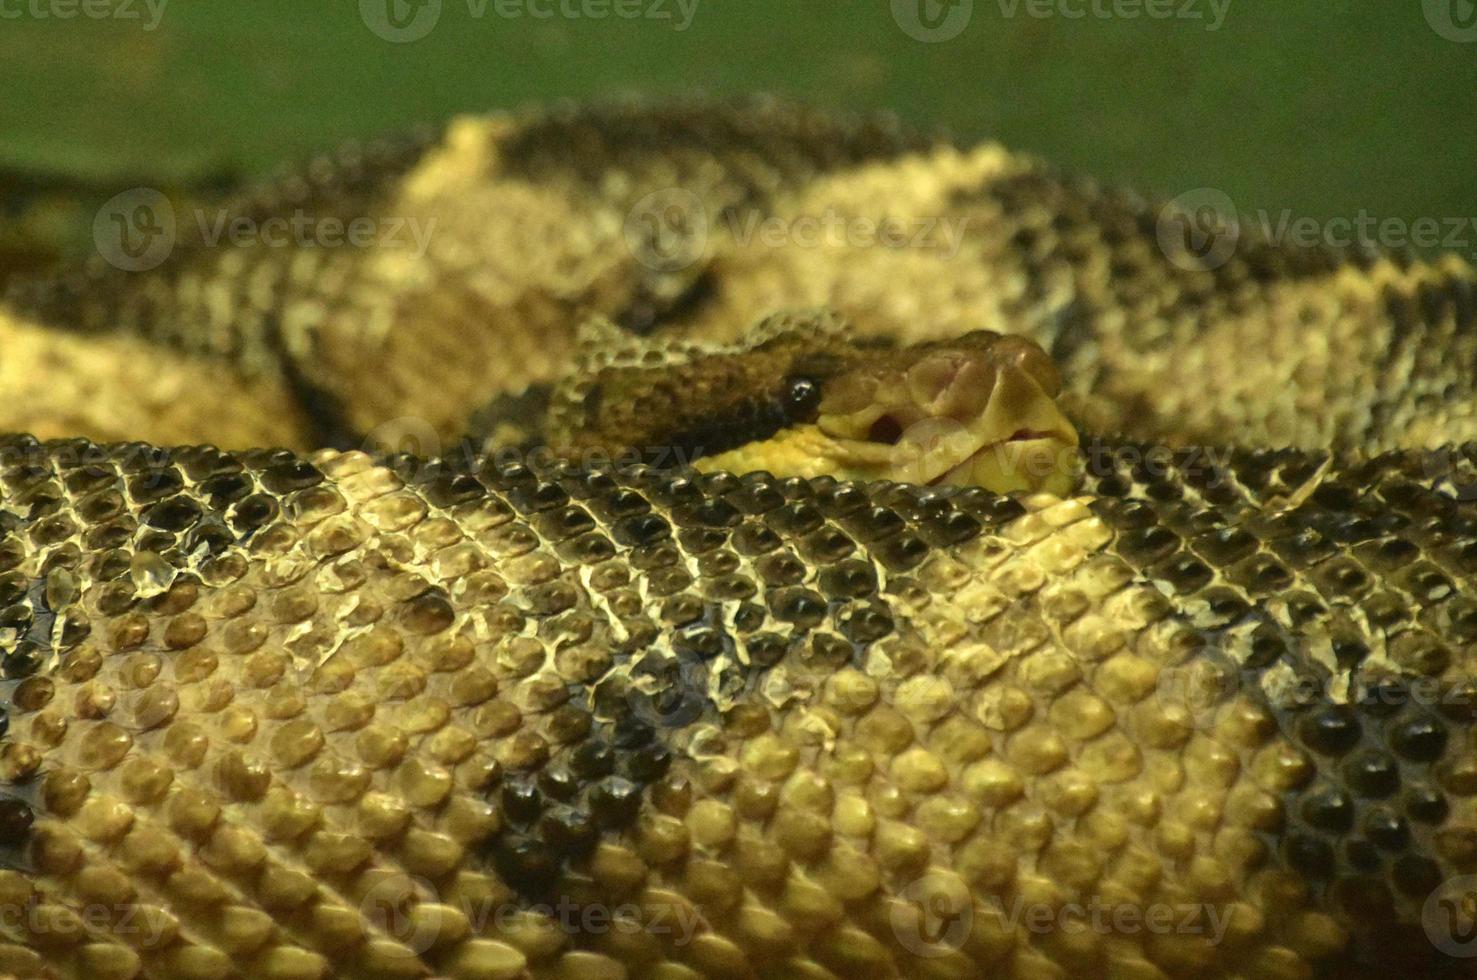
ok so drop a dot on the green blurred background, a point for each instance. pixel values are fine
(1326, 107)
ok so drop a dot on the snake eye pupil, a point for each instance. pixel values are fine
(802, 397)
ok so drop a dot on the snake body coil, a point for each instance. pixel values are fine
(299, 712)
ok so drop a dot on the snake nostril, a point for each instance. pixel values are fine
(887, 430)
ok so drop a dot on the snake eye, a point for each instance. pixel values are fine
(802, 398)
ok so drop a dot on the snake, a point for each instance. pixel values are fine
(691, 539)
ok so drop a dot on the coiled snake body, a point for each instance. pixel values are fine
(310, 712)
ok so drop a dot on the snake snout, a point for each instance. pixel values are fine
(959, 382)
(1018, 353)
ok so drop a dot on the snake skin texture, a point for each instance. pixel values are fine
(305, 713)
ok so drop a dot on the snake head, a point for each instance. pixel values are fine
(979, 410)
(801, 396)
